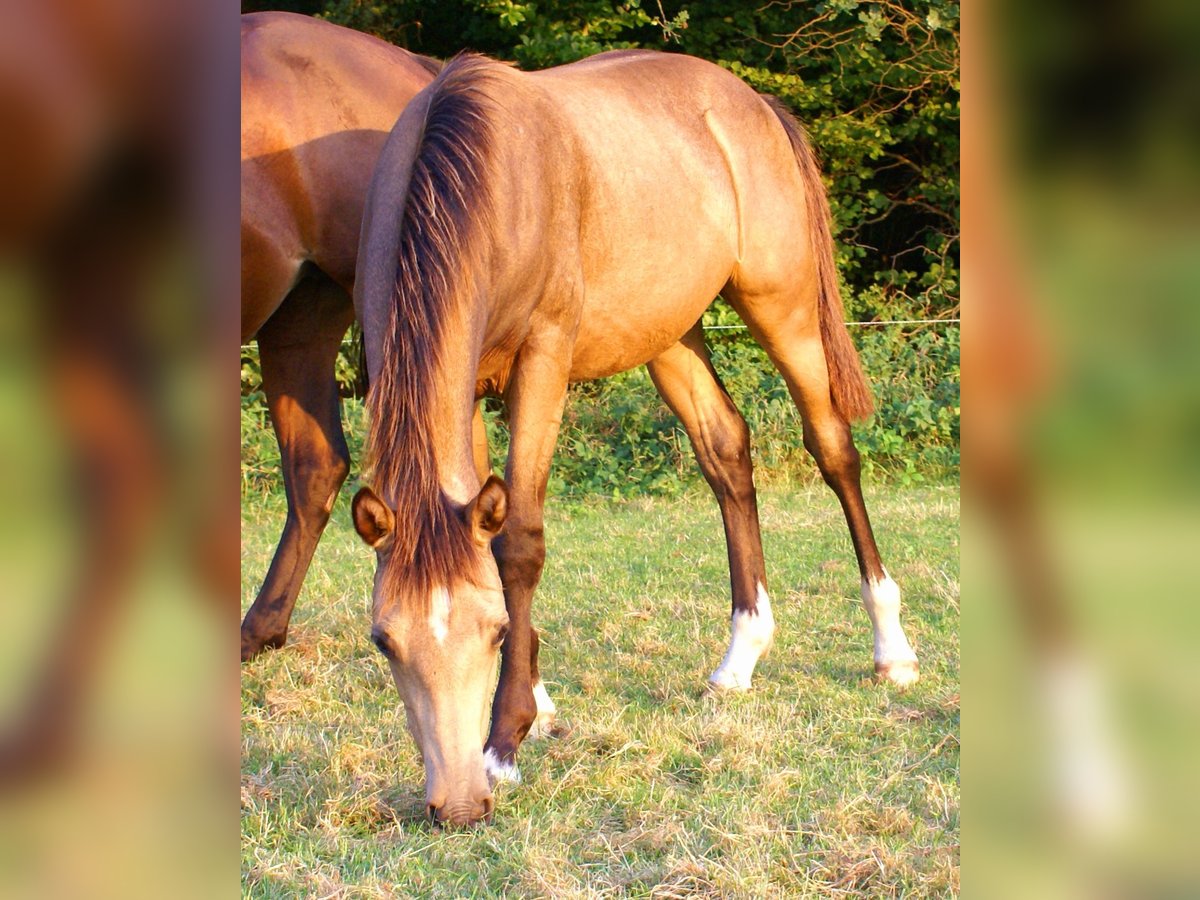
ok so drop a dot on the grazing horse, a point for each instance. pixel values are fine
(526, 230)
(318, 102)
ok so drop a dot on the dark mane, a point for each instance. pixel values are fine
(446, 217)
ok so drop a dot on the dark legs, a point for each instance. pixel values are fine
(116, 459)
(535, 402)
(298, 348)
(102, 371)
(795, 347)
(685, 378)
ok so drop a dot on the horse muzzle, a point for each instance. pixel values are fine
(462, 812)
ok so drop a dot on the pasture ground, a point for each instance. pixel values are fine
(819, 782)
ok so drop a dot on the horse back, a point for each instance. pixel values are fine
(318, 101)
(683, 176)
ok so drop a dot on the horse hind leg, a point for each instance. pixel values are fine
(793, 342)
(298, 349)
(687, 382)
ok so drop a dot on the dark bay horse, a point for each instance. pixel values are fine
(525, 230)
(318, 102)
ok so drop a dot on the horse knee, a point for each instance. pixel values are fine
(520, 554)
(316, 479)
(339, 463)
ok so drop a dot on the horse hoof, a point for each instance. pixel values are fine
(542, 727)
(252, 646)
(902, 672)
(725, 683)
(543, 722)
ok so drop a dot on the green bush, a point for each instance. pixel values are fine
(619, 439)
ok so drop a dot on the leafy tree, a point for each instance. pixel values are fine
(875, 82)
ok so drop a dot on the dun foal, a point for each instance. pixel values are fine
(526, 230)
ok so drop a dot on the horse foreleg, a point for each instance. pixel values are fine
(298, 348)
(546, 710)
(687, 382)
(800, 358)
(535, 399)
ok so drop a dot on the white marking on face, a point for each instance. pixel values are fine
(882, 602)
(751, 635)
(439, 613)
(498, 771)
(545, 712)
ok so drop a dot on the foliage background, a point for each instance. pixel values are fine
(877, 86)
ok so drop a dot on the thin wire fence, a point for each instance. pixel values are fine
(849, 324)
(874, 323)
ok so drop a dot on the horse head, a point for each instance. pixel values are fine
(442, 644)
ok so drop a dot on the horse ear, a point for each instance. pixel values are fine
(486, 513)
(372, 519)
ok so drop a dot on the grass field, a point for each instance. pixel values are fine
(818, 782)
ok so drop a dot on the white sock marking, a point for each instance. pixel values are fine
(881, 599)
(751, 634)
(545, 712)
(498, 771)
(1091, 778)
(439, 613)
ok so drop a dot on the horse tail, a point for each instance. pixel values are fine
(848, 386)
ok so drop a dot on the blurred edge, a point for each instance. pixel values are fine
(1081, 272)
(119, 538)
(117, 553)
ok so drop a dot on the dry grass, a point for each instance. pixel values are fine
(817, 783)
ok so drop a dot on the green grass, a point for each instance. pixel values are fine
(818, 782)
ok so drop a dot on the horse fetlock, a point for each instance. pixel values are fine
(901, 673)
(543, 721)
(895, 660)
(752, 633)
(509, 729)
(501, 767)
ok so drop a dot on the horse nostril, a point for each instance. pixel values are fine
(488, 805)
(460, 813)
(432, 811)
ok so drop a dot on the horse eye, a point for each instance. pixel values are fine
(379, 639)
(501, 634)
